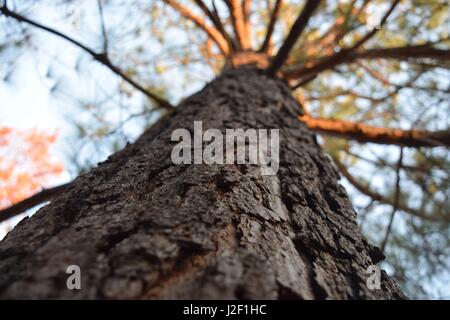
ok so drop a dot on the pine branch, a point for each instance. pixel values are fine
(401, 53)
(100, 57)
(212, 32)
(342, 55)
(238, 21)
(36, 199)
(375, 30)
(294, 34)
(246, 9)
(409, 84)
(380, 198)
(271, 27)
(398, 53)
(215, 19)
(378, 162)
(367, 133)
(102, 25)
(396, 200)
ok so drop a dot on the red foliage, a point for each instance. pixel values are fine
(26, 164)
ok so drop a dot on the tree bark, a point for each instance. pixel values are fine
(141, 227)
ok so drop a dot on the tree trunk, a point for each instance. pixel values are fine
(140, 226)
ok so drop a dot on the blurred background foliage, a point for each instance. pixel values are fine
(174, 58)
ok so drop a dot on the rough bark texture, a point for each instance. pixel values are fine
(141, 227)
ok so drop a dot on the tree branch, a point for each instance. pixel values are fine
(409, 52)
(396, 200)
(399, 53)
(330, 39)
(238, 21)
(294, 34)
(212, 32)
(103, 26)
(36, 199)
(246, 9)
(382, 163)
(100, 57)
(375, 30)
(409, 84)
(366, 133)
(271, 27)
(378, 197)
(215, 19)
(341, 56)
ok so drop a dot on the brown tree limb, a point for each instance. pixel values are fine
(382, 163)
(100, 57)
(271, 26)
(375, 30)
(396, 201)
(238, 21)
(102, 26)
(295, 32)
(375, 74)
(34, 200)
(342, 55)
(409, 84)
(246, 8)
(367, 133)
(325, 44)
(399, 53)
(212, 32)
(215, 19)
(378, 197)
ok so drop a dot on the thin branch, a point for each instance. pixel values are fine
(212, 32)
(304, 82)
(396, 200)
(380, 198)
(375, 74)
(399, 53)
(207, 12)
(36, 199)
(375, 30)
(215, 19)
(342, 55)
(237, 19)
(383, 163)
(363, 213)
(326, 43)
(271, 27)
(103, 26)
(409, 52)
(246, 9)
(409, 84)
(294, 34)
(100, 57)
(367, 133)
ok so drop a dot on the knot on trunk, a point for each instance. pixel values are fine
(252, 58)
